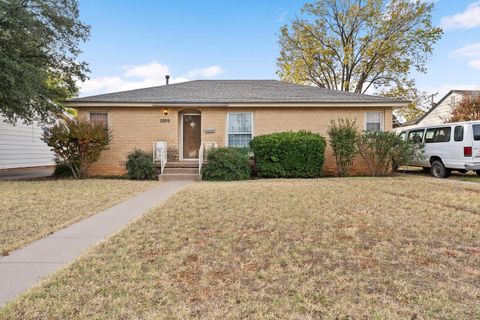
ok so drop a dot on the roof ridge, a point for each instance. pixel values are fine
(236, 91)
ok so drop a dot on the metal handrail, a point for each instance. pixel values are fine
(160, 153)
(200, 158)
(202, 153)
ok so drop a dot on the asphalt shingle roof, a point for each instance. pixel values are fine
(235, 91)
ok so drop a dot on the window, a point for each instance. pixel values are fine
(452, 101)
(435, 135)
(374, 121)
(476, 132)
(458, 133)
(416, 135)
(99, 118)
(239, 129)
(402, 135)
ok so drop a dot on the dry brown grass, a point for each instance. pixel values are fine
(356, 248)
(30, 210)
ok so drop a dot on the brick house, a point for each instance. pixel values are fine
(185, 117)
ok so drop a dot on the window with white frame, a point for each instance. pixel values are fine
(239, 129)
(374, 121)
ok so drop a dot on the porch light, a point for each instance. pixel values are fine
(165, 112)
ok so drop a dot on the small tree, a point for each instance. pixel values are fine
(343, 136)
(77, 143)
(468, 109)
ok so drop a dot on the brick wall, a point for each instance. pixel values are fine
(140, 127)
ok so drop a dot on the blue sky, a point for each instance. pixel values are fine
(135, 43)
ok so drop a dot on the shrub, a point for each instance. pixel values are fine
(226, 164)
(62, 169)
(140, 165)
(406, 151)
(77, 143)
(289, 154)
(343, 137)
(385, 151)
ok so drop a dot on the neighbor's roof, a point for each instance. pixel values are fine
(415, 121)
(234, 91)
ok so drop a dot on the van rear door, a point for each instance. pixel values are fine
(476, 142)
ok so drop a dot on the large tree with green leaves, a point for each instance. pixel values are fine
(356, 45)
(39, 49)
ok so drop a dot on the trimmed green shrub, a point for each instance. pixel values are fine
(226, 164)
(289, 154)
(140, 165)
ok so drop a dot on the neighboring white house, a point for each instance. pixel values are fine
(21, 146)
(440, 112)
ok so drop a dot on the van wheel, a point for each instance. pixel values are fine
(477, 172)
(439, 170)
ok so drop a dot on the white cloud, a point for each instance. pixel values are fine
(470, 50)
(470, 18)
(152, 70)
(204, 72)
(474, 64)
(142, 76)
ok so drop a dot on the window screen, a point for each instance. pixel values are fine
(239, 129)
(99, 118)
(374, 121)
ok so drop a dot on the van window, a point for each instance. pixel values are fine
(435, 135)
(476, 132)
(402, 135)
(416, 135)
(458, 133)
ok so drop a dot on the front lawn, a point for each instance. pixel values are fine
(30, 210)
(353, 248)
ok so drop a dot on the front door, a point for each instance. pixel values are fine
(191, 135)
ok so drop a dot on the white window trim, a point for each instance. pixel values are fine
(100, 111)
(382, 120)
(227, 129)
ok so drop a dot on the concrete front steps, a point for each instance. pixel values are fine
(181, 170)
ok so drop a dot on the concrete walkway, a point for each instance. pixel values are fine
(25, 267)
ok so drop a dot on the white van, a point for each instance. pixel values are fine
(451, 146)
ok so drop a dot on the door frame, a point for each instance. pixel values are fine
(180, 153)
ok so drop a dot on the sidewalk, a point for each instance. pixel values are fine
(25, 267)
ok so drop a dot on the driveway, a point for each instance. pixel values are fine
(469, 176)
(26, 173)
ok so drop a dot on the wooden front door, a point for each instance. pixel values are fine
(191, 135)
